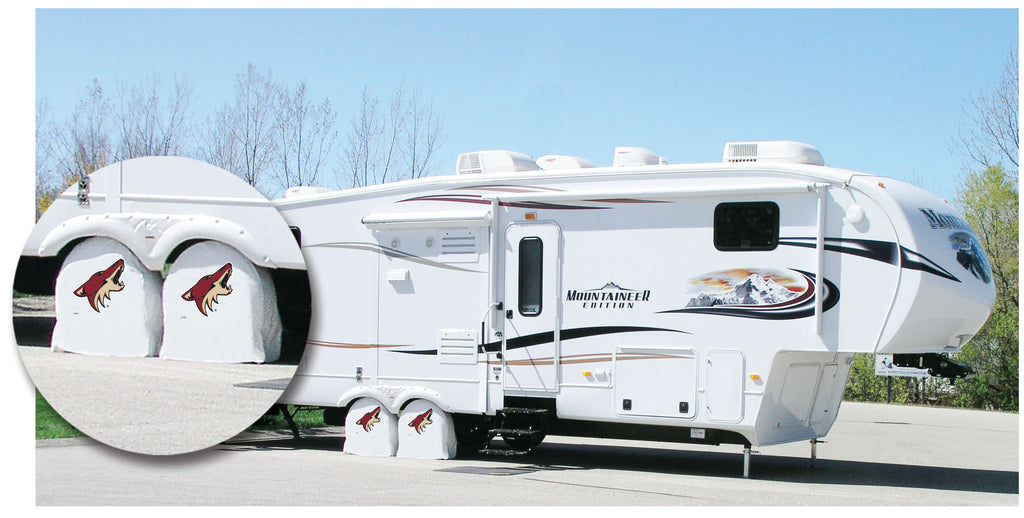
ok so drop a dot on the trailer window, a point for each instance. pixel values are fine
(747, 226)
(531, 275)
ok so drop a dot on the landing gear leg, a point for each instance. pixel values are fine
(746, 461)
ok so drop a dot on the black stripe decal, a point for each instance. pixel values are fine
(549, 337)
(881, 251)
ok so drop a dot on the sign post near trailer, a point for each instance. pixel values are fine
(884, 367)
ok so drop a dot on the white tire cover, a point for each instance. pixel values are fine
(106, 302)
(219, 307)
(370, 429)
(426, 432)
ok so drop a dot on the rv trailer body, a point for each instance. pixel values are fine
(710, 302)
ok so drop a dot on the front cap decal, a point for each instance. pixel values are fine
(99, 286)
(369, 419)
(420, 422)
(205, 292)
(971, 256)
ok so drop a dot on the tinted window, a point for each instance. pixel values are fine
(747, 226)
(531, 275)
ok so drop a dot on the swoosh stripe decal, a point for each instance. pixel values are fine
(549, 337)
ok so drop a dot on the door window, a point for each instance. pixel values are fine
(531, 276)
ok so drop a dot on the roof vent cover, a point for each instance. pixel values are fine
(555, 162)
(634, 156)
(784, 151)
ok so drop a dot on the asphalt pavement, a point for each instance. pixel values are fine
(155, 406)
(875, 455)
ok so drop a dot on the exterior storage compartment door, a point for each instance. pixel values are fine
(724, 388)
(651, 381)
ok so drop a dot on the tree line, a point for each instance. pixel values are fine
(988, 197)
(271, 135)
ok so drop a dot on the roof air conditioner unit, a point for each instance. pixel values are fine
(772, 151)
(495, 161)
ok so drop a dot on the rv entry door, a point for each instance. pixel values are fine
(530, 347)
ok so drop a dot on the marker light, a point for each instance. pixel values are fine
(755, 377)
(587, 374)
(531, 215)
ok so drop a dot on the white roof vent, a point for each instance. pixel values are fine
(552, 162)
(303, 190)
(496, 161)
(772, 151)
(633, 156)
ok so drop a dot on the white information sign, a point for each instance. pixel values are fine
(884, 367)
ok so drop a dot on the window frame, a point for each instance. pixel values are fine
(761, 246)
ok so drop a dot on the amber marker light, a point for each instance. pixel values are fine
(755, 377)
(531, 215)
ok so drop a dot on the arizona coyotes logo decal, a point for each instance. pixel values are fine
(421, 421)
(99, 286)
(371, 418)
(209, 287)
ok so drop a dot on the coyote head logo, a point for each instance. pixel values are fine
(99, 286)
(209, 287)
(421, 421)
(371, 418)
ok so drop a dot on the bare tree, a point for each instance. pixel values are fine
(993, 133)
(150, 126)
(399, 144)
(242, 137)
(46, 175)
(82, 144)
(424, 133)
(307, 137)
(69, 150)
(217, 143)
(359, 155)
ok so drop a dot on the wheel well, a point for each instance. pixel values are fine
(37, 275)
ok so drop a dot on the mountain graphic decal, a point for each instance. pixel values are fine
(755, 290)
(757, 293)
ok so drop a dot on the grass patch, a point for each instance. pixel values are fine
(49, 424)
(307, 417)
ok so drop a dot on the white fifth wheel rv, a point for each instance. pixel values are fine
(710, 303)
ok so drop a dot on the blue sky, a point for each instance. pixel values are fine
(875, 90)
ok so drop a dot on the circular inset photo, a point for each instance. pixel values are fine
(162, 305)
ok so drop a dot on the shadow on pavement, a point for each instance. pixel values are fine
(769, 467)
(554, 456)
